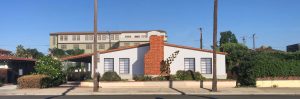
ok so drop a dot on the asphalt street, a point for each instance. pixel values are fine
(156, 97)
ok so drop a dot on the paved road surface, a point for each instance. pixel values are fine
(153, 97)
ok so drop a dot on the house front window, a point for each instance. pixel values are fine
(189, 64)
(124, 65)
(108, 64)
(206, 65)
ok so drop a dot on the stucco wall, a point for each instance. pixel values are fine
(278, 83)
(136, 56)
(178, 63)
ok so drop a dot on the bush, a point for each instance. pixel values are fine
(110, 76)
(189, 75)
(34, 81)
(52, 68)
(142, 78)
(262, 64)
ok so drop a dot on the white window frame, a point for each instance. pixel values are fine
(206, 67)
(188, 65)
(108, 66)
(124, 64)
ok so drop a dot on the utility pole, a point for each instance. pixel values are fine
(244, 40)
(253, 37)
(214, 82)
(95, 58)
(201, 39)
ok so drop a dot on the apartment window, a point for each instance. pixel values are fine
(189, 64)
(76, 46)
(63, 46)
(88, 46)
(103, 37)
(136, 43)
(61, 37)
(86, 37)
(74, 37)
(117, 37)
(101, 46)
(99, 37)
(206, 65)
(124, 65)
(78, 37)
(144, 36)
(66, 37)
(127, 36)
(108, 64)
(89, 37)
(112, 37)
(126, 44)
(137, 36)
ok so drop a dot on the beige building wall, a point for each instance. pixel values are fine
(57, 40)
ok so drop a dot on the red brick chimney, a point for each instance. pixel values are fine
(154, 56)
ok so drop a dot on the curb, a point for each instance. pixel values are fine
(92, 93)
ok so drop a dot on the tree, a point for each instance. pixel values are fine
(227, 37)
(28, 53)
(74, 51)
(236, 53)
(56, 52)
(53, 68)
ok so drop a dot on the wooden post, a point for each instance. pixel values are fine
(214, 82)
(95, 58)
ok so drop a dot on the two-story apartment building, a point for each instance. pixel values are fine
(106, 40)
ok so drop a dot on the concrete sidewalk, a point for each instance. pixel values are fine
(61, 91)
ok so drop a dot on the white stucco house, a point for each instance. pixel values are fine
(145, 59)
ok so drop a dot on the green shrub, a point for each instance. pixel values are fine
(34, 81)
(110, 76)
(188, 75)
(262, 64)
(142, 78)
(52, 68)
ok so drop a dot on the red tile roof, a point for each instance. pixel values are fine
(5, 57)
(192, 48)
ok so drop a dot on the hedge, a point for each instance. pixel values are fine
(268, 64)
(110, 76)
(188, 75)
(34, 81)
(180, 75)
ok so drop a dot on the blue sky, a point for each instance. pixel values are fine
(29, 22)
